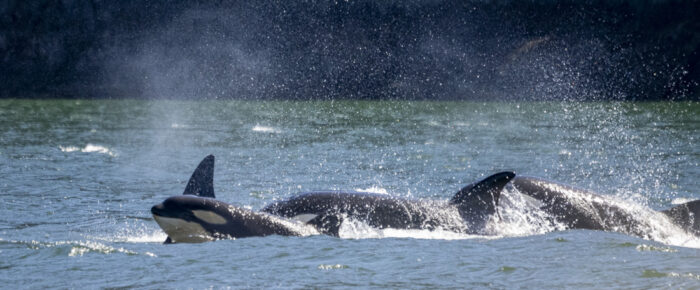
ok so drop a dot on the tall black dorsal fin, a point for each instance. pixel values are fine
(202, 181)
(687, 216)
(487, 191)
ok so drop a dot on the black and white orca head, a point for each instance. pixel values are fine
(190, 219)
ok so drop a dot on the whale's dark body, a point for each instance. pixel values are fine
(189, 218)
(196, 216)
(466, 212)
(581, 209)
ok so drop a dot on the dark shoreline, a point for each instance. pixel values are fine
(438, 50)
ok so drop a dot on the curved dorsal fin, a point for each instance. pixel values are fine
(486, 191)
(202, 181)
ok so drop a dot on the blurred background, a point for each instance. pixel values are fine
(476, 50)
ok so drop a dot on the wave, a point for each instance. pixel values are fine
(89, 148)
(373, 189)
(266, 129)
(75, 248)
(681, 200)
(179, 126)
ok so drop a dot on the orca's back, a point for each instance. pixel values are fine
(687, 216)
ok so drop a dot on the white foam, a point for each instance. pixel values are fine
(432, 235)
(69, 148)
(266, 129)
(331, 267)
(89, 148)
(645, 247)
(681, 200)
(373, 189)
(520, 215)
(685, 275)
(133, 233)
(178, 126)
(353, 229)
(154, 237)
(84, 247)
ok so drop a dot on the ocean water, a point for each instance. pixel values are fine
(78, 178)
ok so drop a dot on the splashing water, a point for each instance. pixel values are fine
(354, 229)
(521, 215)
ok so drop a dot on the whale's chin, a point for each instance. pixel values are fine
(181, 231)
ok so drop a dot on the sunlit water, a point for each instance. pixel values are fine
(77, 180)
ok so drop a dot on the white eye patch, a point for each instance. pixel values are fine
(209, 217)
(305, 218)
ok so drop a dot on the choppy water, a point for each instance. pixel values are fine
(77, 180)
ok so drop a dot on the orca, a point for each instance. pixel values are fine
(196, 216)
(581, 209)
(467, 211)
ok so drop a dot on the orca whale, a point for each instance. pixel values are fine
(466, 212)
(196, 216)
(580, 209)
